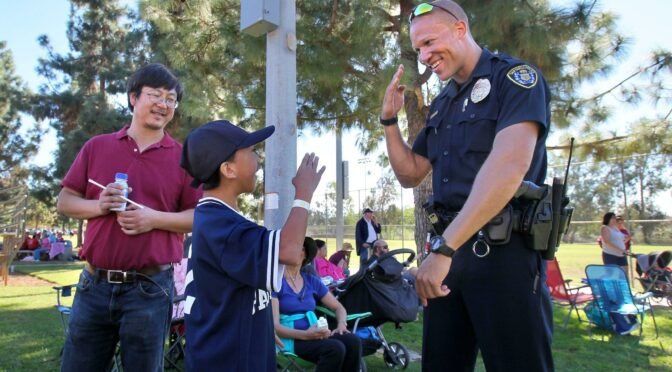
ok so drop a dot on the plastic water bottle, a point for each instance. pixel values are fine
(121, 179)
(322, 323)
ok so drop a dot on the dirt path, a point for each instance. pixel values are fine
(17, 279)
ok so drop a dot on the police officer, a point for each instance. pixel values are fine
(485, 133)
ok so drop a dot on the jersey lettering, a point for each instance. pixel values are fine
(262, 299)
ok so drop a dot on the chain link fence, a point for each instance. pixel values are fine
(650, 232)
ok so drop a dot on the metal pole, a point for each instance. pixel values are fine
(401, 193)
(339, 189)
(281, 112)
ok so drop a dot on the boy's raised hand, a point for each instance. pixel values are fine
(307, 177)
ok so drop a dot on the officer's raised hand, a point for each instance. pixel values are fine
(429, 281)
(394, 96)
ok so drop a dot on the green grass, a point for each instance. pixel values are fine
(32, 335)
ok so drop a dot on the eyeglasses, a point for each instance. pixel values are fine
(155, 98)
(425, 8)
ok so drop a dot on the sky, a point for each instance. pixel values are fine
(21, 22)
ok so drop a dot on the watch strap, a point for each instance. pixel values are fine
(444, 250)
(390, 121)
(438, 245)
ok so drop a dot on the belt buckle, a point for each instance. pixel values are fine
(112, 272)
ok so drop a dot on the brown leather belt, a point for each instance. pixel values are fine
(121, 276)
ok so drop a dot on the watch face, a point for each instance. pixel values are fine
(437, 242)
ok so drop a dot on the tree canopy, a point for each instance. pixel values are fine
(17, 142)
(347, 52)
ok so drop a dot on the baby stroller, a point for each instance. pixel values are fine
(381, 290)
(654, 275)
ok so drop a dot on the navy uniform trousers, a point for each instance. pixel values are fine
(499, 304)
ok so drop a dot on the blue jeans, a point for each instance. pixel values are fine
(37, 253)
(363, 257)
(136, 315)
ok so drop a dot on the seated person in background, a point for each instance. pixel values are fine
(26, 240)
(59, 237)
(342, 258)
(325, 268)
(336, 350)
(35, 245)
(52, 237)
(46, 240)
(34, 242)
(380, 247)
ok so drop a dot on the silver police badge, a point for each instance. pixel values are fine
(480, 90)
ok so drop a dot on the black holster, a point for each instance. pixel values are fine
(539, 213)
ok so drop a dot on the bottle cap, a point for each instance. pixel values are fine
(122, 176)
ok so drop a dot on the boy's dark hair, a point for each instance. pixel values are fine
(607, 217)
(213, 181)
(320, 243)
(153, 75)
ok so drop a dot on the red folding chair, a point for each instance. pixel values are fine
(562, 293)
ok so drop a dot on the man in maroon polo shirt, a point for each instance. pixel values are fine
(125, 290)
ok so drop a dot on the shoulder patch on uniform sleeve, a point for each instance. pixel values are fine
(523, 75)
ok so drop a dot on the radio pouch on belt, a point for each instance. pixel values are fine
(561, 217)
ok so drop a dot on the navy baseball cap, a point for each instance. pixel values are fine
(211, 144)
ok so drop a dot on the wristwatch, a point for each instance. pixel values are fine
(388, 122)
(438, 245)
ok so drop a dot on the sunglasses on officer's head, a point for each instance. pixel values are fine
(425, 8)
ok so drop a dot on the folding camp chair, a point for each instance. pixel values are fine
(612, 295)
(287, 361)
(10, 245)
(176, 349)
(65, 311)
(562, 293)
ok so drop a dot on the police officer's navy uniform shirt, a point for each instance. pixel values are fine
(459, 133)
(233, 268)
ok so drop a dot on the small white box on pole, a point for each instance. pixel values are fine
(258, 17)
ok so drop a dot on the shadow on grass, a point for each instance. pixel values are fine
(31, 340)
(575, 348)
(25, 295)
(32, 337)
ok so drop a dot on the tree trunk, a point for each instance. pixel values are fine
(416, 114)
(623, 188)
(422, 227)
(80, 227)
(646, 233)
